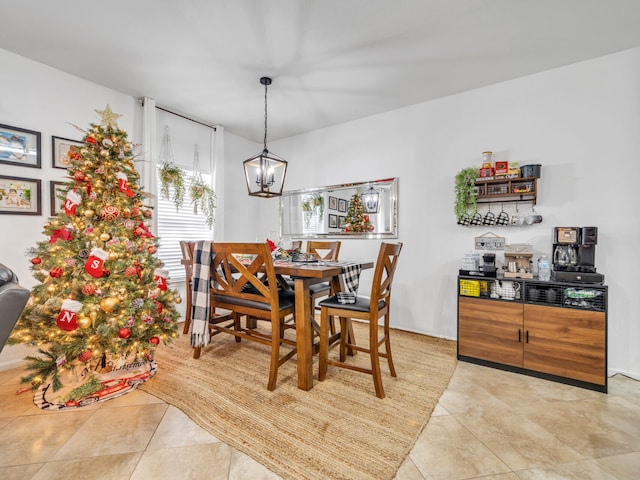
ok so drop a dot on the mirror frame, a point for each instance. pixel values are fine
(388, 209)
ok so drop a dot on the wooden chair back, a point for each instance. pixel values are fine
(186, 247)
(324, 250)
(384, 272)
(250, 287)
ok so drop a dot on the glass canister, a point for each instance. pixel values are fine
(487, 159)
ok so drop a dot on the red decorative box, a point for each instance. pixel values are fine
(486, 172)
(502, 168)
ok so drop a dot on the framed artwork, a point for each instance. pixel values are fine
(19, 147)
(59, 149)
(333, 221)
(333, 203)
(342, 205)
(20, 196)
(342, 221)
(56, 189)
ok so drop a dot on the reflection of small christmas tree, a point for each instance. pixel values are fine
(357, 220)
(102, 298)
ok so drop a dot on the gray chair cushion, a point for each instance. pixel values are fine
(361, 305)
(286, 300)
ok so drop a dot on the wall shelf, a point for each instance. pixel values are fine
(496, 190)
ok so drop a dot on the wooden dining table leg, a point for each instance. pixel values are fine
(304, 333)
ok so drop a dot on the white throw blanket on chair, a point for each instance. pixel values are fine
(200, 294)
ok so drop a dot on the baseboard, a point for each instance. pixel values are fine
(626, 373)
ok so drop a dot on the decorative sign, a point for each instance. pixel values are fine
(489, 241)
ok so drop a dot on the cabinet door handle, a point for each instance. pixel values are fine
(526, 336)
(519, 335)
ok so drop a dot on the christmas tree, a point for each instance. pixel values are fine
(103, 297)
(357, 220)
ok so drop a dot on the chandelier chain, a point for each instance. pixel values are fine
(265, 116)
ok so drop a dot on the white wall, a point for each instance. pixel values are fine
(581, 122)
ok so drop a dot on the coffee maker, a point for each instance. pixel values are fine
(574, 250)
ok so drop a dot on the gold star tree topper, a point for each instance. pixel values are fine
(109, 119)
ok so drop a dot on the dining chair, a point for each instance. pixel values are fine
(187, 262)
(244, 282)
(365, 309)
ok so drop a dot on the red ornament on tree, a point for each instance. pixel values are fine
(130, 271)
(56, 272)
(154, 340)
(89, 289)
(109, 212)
(124, 333)
(85, 356)
(36, 260)
(152, 249)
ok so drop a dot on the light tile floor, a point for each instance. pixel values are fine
(489, 424)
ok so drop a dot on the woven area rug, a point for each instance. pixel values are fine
(337, 430)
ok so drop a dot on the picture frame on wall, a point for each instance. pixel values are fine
(20, 196)
(342, 221)
(342, 205)
(333, 203)
(333, 221)
(19, 146)
(59, 148)
(56, 189)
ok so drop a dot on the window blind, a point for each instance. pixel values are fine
(176, 226)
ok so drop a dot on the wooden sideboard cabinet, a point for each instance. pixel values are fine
(553, 330)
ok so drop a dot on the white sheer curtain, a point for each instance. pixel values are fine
(148, 176)
(217, 177)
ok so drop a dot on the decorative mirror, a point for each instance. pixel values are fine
(359, 210)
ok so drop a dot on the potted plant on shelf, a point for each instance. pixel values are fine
(171, 174)
(466, 191)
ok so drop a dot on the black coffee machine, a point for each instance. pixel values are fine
(574, 252)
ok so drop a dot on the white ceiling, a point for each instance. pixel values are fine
(331, 61)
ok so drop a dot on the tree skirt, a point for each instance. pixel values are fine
(114, 382)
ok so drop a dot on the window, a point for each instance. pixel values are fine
(175, 226)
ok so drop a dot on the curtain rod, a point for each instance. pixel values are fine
(141, 100)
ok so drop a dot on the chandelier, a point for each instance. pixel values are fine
(370, 200)
(265, 171)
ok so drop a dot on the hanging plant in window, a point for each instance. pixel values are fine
(312, 204)
(170, 174)
(202, 195)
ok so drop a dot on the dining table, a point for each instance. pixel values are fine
(305, 274)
